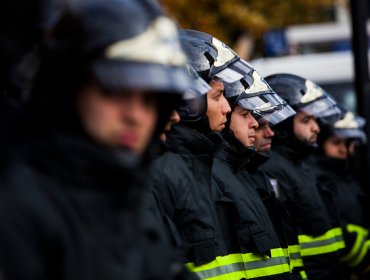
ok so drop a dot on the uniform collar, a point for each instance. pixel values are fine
(184, 139)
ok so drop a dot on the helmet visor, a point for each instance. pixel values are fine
(322, 107)
(199, 86)
(235, 72)
(278, 116)
(351, 133)
(194, 101)
(264, 104)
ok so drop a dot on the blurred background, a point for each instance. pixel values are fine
(311, 38)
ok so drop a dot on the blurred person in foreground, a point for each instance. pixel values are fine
(335, 159)
(71, 194)
(320, 235)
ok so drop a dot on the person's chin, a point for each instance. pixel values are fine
(265, 148)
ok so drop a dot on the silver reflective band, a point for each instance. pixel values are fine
(239, 266)
(225, 54)
(158, 44)
(330, 241)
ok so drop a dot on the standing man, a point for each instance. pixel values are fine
(253, 236)
(268, 189)
(181, 177)
(71, 194)
(333, 166)
(319, 236)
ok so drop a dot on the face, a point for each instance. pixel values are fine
(335, 147)
(264, 136)
(125, 120)
(306, 128)
(217, 106)
(174, 118)
(243, 124)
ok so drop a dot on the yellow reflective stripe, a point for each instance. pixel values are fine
(303, 275)
(359, 248)
(219, 261)
(237, 266)
(329, 242)
(295, 256)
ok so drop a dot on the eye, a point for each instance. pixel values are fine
(246, 113)
(217, 96)
(305, 120)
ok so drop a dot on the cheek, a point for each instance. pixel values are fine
(211, 104)
(148, 125)
(239, 127)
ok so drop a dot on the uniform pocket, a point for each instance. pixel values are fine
(203, 246)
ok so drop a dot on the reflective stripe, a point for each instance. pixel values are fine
(360, 246)
(295, 256)
(237, 266)
(303, 275)
(329, 242)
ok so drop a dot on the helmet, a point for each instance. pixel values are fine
(250, 91)
(194, 100)
(304, 95)
(125, 44)
(206, 54)
(350, 126)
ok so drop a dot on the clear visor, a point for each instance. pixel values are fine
(235, 72)
(351, 133)
(261, 104)
(277, 116)
(199, 86)
(322, 107)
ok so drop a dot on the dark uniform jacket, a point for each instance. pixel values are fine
(334, 177)
(283, 221)
(252, 235)
(70, 209)
(181, 183)
(319, 238)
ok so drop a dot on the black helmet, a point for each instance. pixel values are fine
(125, 44)
(349, 126)
(194, 101)
(206, 54)
(246, 88)
(304, 95)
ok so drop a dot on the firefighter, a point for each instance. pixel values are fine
(268, 190)
(320, 236)
(333, 167)
(71, 194)
(262, 249)
(181, 176)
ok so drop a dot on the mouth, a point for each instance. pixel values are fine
(129, 140)
(313, 139)
(266, 145)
